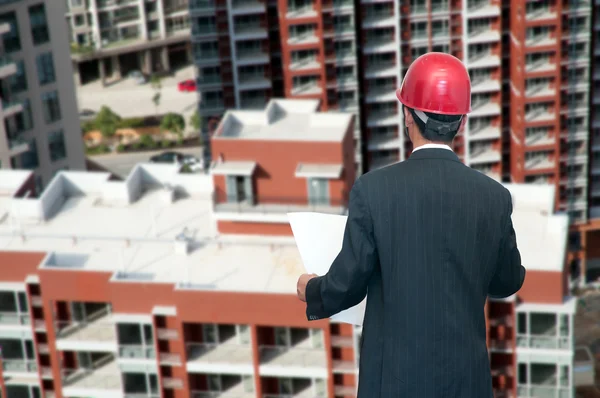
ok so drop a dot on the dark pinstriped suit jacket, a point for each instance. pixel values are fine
(430, 239)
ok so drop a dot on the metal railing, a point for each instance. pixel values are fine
(219, 353)
(545, 342)
(92, 329)
(136, 351)
(19, 365)
(278, 204)
(216, 394)
(292, 356)
(14, 318)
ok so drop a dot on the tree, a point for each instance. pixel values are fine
(107, 121)
(196, 121)
(157, 86)
(173, 122)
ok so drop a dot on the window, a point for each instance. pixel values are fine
(318, 191)
(24, 119)
(29, 159)
(76, 3)
(39, 24)
(22, 300)
(51, 107)
(239, 188)
(12, 40)
(56, 145)
(45, 68)
(79, 20)
(18, 81)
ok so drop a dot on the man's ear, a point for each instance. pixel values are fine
(463, 122)
(408, 119)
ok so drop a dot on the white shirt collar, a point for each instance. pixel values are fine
(430, 146)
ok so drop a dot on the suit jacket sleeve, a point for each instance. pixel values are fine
(509, 274)
(345, 285)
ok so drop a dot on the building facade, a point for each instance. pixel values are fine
(183, 285)
(37, 91)
(111, 38)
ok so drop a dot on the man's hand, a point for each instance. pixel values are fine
(301, 286)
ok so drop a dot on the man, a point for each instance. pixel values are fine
(429, 239)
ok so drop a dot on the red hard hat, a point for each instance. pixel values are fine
(437, 83)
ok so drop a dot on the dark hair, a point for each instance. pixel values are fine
(437, 117)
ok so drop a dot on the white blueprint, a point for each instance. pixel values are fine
(319, 239)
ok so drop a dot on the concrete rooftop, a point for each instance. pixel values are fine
(158, 226)
(285, 120)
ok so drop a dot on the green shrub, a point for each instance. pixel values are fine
(179, 141)
(137, 145)
(147, 141)
(121, 148)
(131, 123)
(165, 143)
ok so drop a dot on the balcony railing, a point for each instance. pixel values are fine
(281, 204)
(136, 351)
(545, 342)
(19, 365)
(292, 356)
(219, 353)
(13, 318)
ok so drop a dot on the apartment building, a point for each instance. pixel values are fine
(37, 91)
(110, 38)
(249, 51)
(183, 285)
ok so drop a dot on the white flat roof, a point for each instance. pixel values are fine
(285, 120)
(305, 170)
(130, 228)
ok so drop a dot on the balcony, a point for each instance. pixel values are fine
(484, 85)
(250, 31)
(96, 334)
(484, 108)
(305, 63)
(306, 11)
(539, 115)
(207, 58)
(257, 102)
(199, 32)
(382, 161)
(136, 351)
(483, 60)
(19, 365)
(306, 37)
(379, 45)
(482, 133)
(483, 35)
(482, 9)
(252, 56)
(539, 163)
(294, 361)
(253, 81)
(381, 94)
(211, 106)
(339, 30)
(103, 380)
(540, 90)
(382, 118)
(384, 142)
(540, 14)
(540, 65)
(485, 154)
(540, 41)
(379, 19)
(577, 157)
(380, 69)
(228, 358)
(539, 139)
(248, 7)
(7, 67)
(342, 55)
(309, 88)
(540, 391)
(577, 179)
(209, 81)
(14, 319)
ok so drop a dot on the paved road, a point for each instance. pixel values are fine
(122, 164)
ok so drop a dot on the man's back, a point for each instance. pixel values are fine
(439, 229)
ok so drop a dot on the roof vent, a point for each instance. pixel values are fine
(182, 242)
(168, 194)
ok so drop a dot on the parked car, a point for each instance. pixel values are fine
(187, 86)
(137, 76)
(191, 161)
